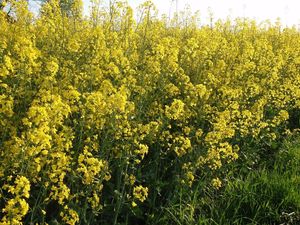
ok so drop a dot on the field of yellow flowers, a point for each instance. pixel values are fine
(106, 119)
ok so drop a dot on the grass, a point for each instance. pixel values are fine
(270, 194)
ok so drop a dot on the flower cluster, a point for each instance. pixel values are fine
(100, 114)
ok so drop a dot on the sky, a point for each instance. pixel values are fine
(287, 10)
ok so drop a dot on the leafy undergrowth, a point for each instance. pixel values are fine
(270, 194)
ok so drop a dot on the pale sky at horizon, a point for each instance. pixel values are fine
(287, 10)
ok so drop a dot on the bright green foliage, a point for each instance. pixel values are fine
(105, 119)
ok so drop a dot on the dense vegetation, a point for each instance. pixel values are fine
(109, 120)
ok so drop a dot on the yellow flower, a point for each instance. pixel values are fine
(142, 150)
(216, 183)
(130, 179)
(133, 204)
(140, 193)
(69, 216)
(176, 110)
(182, 145)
